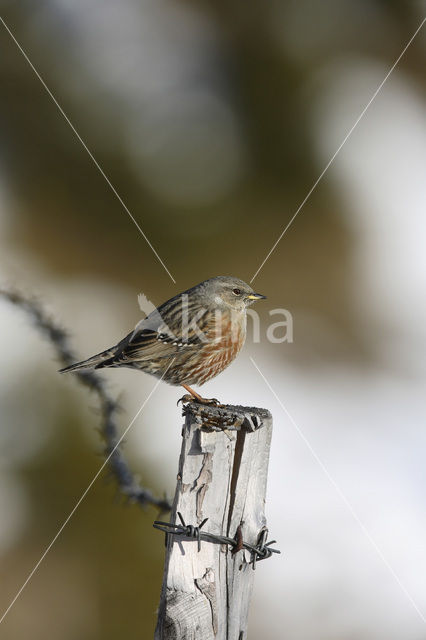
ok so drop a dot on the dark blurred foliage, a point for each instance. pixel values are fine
(68, 217)
(108, 548)
(62, 195)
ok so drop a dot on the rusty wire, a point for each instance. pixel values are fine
(260, 551)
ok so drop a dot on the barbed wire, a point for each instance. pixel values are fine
(260, 551)
(109, 406)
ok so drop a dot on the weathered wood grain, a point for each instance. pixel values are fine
(222, 476)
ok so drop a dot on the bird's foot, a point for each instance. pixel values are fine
(200, 400)
(193, 396)
(211, 401)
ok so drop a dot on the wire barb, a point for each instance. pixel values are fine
(260, 551)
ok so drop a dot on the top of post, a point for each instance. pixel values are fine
(212, 417)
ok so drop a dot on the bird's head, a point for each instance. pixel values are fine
(226, 291)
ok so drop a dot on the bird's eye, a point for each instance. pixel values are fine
(237, 292)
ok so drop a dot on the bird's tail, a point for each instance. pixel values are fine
(95, 362)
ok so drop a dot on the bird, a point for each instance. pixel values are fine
(187, 340)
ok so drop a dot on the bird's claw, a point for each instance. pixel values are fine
(199, 400)
(213, 401)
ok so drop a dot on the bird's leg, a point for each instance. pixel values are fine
(196, 396)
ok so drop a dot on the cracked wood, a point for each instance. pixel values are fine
(222, 476)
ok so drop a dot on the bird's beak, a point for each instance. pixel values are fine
(256, 296)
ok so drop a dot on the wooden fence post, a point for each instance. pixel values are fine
(222, 476)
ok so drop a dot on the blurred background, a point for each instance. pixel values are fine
(212, 121)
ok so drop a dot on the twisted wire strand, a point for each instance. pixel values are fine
(260, 551)
(109, 406)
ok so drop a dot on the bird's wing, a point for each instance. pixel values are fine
(165, 333)
(147, 344)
